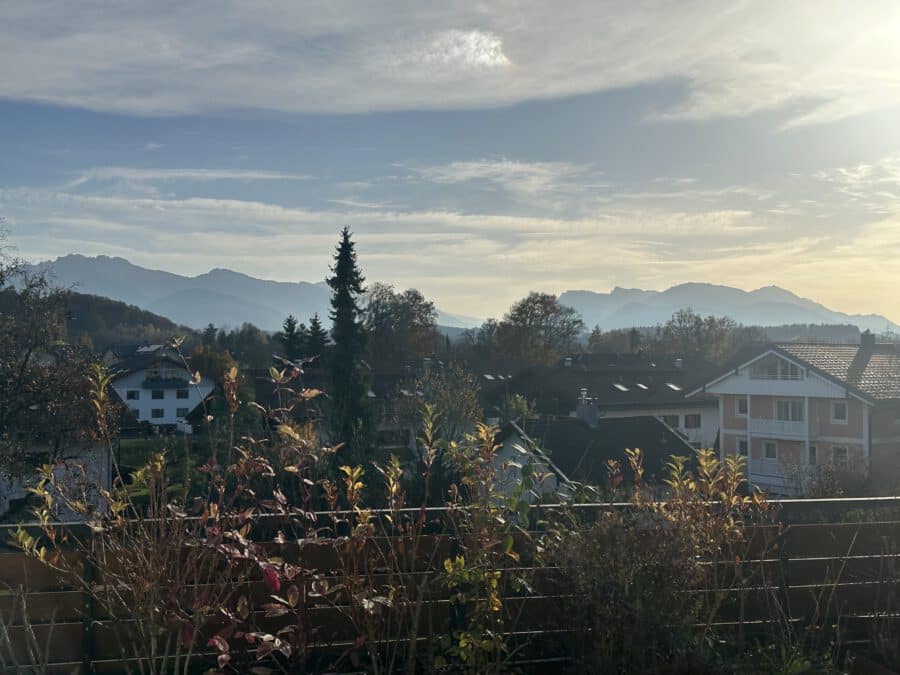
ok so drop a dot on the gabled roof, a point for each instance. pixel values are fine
(871, 372)
(142, 361)
(637, 383)
(581, 452)
(513, 429)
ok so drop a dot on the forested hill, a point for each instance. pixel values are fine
(106, 322)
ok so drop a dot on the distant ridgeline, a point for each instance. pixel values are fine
(804, 332)
(100, 322)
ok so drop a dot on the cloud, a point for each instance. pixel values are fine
(525, 178)
(868, 186)
(823, 60)
(426, 248)
(459, 50)
(139, 175)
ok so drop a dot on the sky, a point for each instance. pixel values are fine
(477, 150)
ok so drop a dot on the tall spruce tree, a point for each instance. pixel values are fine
(349, 419)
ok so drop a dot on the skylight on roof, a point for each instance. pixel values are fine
(488, 377)
(641, 385)
(620, 387)
(673, 387)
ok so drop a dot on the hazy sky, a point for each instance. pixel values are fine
(478, 150)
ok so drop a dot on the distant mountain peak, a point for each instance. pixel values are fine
(767, 306)
(220, 296)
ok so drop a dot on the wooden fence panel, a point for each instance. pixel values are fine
(821, 573)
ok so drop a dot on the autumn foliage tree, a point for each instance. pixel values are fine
(44, 396)
(401, 325)
(539, 329)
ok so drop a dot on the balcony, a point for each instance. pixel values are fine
(692, 436)
(778, 428)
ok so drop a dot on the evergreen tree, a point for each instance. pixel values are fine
(348, 384)
(209, 335)
(317, 340)
(293, 338)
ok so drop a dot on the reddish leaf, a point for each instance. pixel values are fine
(273, 581)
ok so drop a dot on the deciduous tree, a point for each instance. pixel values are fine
(401, 326)
(539, 329)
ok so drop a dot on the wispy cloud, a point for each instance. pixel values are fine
(826, 61)
(139, 175)
(871, 186)
(424, 248)
(525, 178)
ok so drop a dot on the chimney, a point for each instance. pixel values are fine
(867, 341)
(567, 362)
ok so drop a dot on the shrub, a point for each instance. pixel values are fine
(641, 595)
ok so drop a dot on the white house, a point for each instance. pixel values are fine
(159, 388)
(791, 408)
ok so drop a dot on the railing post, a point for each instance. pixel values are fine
(87, 626)
(784, 557)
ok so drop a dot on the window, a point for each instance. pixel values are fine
(181, 413)
(692, 421)
(812, 455)
(740, 407)
(742, 447)
(157, 413)
(133, 395)
(771, 449)
(157, 394)
(181, 393)
(839, 456)
(789, 410)
(775, 368)
(839, 412)
(671, 420)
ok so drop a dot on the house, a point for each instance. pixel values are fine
(581, 452)
(791, 408)
(159, 388)
(603, 386)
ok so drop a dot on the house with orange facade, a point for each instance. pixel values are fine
(793, 408)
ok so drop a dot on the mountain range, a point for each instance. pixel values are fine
(221, 297)
(227, 298)
(767, 306)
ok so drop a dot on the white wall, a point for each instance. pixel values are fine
(169, 404)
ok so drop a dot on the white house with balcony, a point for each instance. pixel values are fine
(159, 388)
(792, 408)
